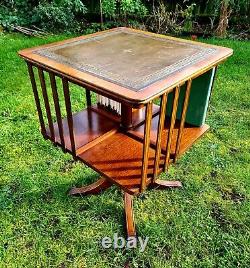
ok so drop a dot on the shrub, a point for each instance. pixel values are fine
(123, 9)
(18, 12)
(164, 20)
(55, 15)
(60, 15)
(172, 16)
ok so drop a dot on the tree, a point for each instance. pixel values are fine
(225, 12)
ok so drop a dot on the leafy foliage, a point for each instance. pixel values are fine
(164, 20)
(122, 9)
(17, 12)
(52, 15)
(59, 14)
(173, 16)
(132, 7)
(109, 7)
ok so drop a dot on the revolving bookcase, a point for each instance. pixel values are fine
(152, 95)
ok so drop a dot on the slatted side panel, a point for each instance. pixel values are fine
(37, 99)
(161, 125)
(52, 106)
(184, 110)
(46, 103)
(183, 118)
(168, 126)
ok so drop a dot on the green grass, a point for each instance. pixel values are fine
(205, 224)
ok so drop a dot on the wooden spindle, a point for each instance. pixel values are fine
(57, 107)
(171, 128)
(88, 97)
(183, 118)
(36, 97)
(146, 143)
(159, 134)
(46, 103)
(214, 72)
(69, 114)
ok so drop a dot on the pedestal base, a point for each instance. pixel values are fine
(103, 183)
(94, 188)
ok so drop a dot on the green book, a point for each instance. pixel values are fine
(198, 100)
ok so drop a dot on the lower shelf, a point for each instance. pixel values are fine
(190, 134)
(119, 158)
(88, 126)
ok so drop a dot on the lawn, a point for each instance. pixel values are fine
(205, 224)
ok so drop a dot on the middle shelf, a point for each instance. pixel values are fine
(117, 154)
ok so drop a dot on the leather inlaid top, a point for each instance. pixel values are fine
(133, 60)
(130, 63)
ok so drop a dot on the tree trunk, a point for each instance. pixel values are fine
(225, 12)
(101, 14)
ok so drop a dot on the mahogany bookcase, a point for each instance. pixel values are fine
(135, 130)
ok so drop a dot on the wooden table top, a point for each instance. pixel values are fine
(126, 64)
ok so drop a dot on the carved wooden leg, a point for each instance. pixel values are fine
(94, 188)
(128, 205)
(167, 184)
